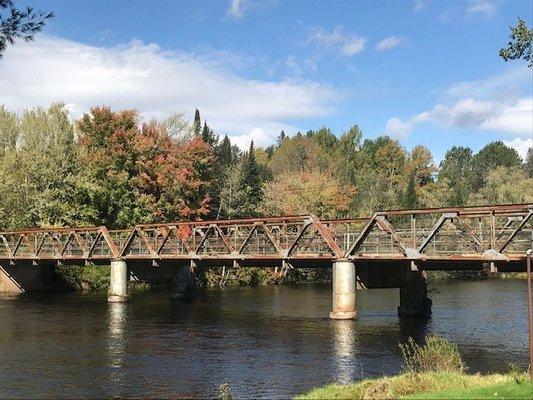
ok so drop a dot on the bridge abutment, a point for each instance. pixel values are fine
(414, 301)
(344, 286)
(183, 287)
(118, 286)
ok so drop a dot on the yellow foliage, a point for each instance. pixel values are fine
(307, 192)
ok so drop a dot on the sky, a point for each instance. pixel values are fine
(422, 71)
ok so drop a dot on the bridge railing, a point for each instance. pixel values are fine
(468, 233)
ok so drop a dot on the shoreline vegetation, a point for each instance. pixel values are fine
(431, 385)
(95, 278)
(112, 168)
(433, 370)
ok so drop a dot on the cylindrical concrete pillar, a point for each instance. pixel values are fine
(118, 286)
(344, 287)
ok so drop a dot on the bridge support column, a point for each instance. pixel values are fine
(183, 287)
(343, 290)
(118, 287)
(414, 301)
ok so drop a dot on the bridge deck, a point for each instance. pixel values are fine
(448, 235)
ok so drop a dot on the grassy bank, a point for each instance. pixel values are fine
(431, 385)
(432, 370)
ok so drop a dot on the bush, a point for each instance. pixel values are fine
(224, 392)
(437, 355)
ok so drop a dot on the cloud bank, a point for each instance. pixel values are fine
(497, 104)
(157, 82)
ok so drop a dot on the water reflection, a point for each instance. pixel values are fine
(266, 342)
(116, 344)
(345, 350)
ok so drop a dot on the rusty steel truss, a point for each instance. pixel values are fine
(489, 233)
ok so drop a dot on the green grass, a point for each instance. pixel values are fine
(508, 390)
(431, 385)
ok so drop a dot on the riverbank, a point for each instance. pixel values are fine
(431, 385)
(95, 278)
(91, 278)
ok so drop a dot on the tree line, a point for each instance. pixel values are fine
(110, 168)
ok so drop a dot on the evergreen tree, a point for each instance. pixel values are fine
(19, 24)
(208, 136)
(224, 152)
(197, 124)
(250, 185)
(281, 138)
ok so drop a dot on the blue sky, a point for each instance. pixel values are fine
(426, 72)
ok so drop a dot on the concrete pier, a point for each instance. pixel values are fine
(118, 287)
(183, 287)
(344, 286)
(414, 301)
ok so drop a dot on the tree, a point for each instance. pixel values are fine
(197, 124)
(298, 153)
(308, 192)
(324, 137)
(250, 185)
(208, 136)
(281, 138)
(505, 185)
(520, 44)
(345, 155)
(457, 169)
(409, 197)
(134, 175)
(529, 162)
(20, 24)
(9, 130)
(493, 155)
(39, 175)
(224, 152)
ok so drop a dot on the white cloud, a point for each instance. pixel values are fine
(520, 145)
(487, 8)
(398, 129)
(345, 43)
(236, 8)
(498, 104)
(420, 5)
(389, 43)
(353, 45)
(156, 82)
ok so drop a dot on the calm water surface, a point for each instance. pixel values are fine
(267, 342)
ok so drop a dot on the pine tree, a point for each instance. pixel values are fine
(250, 185)
(197, 125)
(20, 24)
(224, 152)
(208, 136)
(282, 136)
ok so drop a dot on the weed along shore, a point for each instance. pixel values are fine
(431, 385)
(434, 370)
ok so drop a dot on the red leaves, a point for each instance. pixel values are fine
(165, 179)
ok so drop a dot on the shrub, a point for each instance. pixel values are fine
(437, 355)
(224, 392)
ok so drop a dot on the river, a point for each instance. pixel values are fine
(265, 342)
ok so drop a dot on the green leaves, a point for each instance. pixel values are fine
(520, 44)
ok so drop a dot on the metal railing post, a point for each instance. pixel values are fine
(530, 312)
